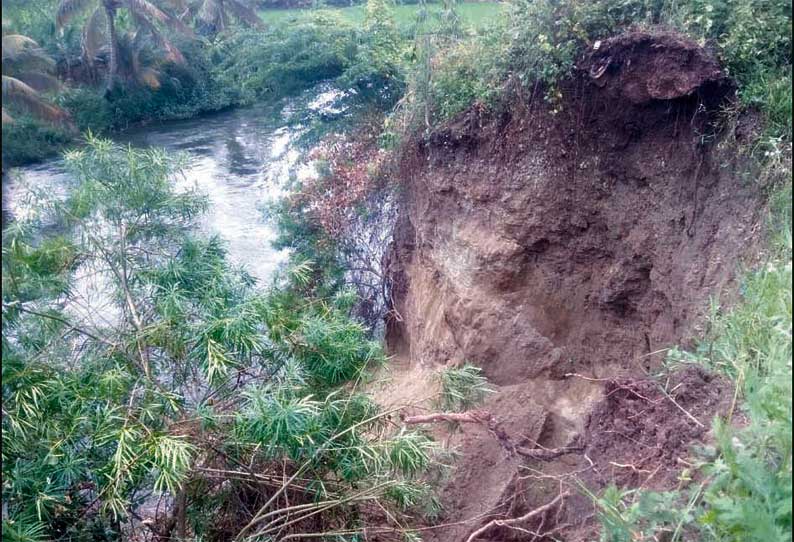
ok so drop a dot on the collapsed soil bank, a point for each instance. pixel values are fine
(580, 237)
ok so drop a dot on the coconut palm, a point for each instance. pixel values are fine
(214, 15)
(100, 32)
(25, 67)
(140, 60)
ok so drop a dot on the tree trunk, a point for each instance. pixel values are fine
(113, 68)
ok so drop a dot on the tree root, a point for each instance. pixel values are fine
(486, 419)
(512, 522)
(472, 416)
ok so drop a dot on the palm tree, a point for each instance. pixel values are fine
(214, 15)
(100, 32)
(139, 63)
(25, 67)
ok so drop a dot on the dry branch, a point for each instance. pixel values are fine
(472, 416)
(546, 454)
(511, 522)
(485, 419)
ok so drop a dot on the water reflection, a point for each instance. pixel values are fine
(242, 159)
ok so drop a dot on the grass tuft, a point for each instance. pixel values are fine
(462, 388)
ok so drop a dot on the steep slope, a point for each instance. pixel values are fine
(582, 237)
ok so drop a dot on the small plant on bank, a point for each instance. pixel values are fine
(462, 388)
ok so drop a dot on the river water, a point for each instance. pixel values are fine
(242, 159)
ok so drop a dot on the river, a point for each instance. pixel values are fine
(242, 159)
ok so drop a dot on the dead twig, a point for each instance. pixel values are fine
(682, 409)
(546, 454)
(472, 416)
(512, 522)
(485, 419)
(629, 466)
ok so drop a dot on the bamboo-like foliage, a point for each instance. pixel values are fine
(187, 382)
(462, 388)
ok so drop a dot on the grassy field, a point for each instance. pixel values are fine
(473, 14)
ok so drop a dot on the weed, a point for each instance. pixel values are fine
(462, 388)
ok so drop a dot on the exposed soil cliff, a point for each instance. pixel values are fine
(537, 244)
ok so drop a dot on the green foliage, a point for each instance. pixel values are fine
(34, 271)
(27, 140)
(377, 70)
(539, 41)
(187, 358)
(462, 388)
(324, 46)
(535, 42)
(754, 41)
(749, 497)
(472, 14)
(287, 59)
(640, 516)
(458, 82)
(185, 90)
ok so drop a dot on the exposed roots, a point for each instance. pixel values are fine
(513, 523)
(487, 420)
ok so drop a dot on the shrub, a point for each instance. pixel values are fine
(195, 373)
(27, 140)
(376, 71)
(286, 59)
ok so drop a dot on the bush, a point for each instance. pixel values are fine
(376, 72)
(200, 373)
(27, 140)
(89, 110)
(459, 81)
(287, 59)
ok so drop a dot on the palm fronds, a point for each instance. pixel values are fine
(24, 76)
(69, 9)
(22, 95)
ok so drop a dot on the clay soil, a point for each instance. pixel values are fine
(564, 249)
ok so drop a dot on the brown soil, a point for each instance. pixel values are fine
(538, 244)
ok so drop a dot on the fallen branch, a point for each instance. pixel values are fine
(545, 454)
(511, 522)
(629, 466)
(485, 419)
(472, 416)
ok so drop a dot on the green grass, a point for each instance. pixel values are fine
(473, 14)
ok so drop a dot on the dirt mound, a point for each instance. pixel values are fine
(590, 237)
(584, 238)
(639, 425)
(642, 67)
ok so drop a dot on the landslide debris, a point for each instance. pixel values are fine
(563, 249)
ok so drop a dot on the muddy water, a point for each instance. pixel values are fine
(242, 159)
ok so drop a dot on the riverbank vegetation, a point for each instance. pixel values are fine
(198, 404)
(238, 405)
(164, 63)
